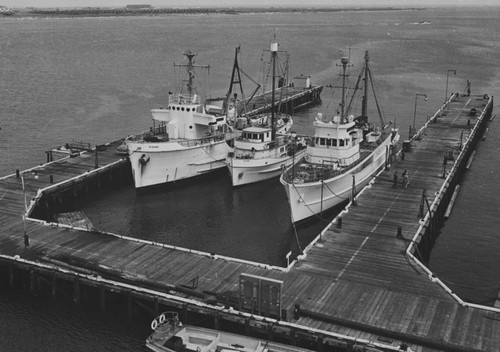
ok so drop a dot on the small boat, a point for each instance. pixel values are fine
(6, 11)
(263, 152)
(189, 138)
(169, 335)
(343, 155)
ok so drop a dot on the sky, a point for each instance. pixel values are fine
(245, 3)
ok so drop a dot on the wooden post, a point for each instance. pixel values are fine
(102, 294)
(445, 161)
(156, 309)
(96, 159)
(54, 285)
(320, 343)
(269, 331)
(32, 282)
(216, 321)
(130, 307)
(400, 232)
(350, 345)
(11, 276)
(293, 339)
(76, 291)
(247, 327)
(353, 196)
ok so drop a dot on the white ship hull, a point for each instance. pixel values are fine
(246, 171)
(309, 199)
(166, 162)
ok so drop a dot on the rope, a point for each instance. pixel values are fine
(308, 207)
(334, 192)
(302, 199)
(296, 235)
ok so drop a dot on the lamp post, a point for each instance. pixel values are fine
(415, 110)
(25, 237)
(447, 77)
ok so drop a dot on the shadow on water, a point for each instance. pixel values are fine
(250, 222)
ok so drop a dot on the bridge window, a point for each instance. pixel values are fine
(322, 141)
(341, 142)
(328, 142)
(334, 142)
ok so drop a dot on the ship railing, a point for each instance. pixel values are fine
(149, 137)
(205, 140)
(183, 99)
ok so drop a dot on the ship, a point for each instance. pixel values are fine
(188, 138)
(342, 156)
(263, 152)
(170, 335)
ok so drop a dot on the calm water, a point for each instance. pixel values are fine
(96, 79)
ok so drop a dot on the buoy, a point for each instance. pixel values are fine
(162, 318)
(154, 324)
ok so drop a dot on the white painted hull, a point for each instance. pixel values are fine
(170, 161)
(309, 199)
(246, 171)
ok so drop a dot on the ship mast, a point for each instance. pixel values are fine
(364, 103)
(190, 68)
(274, 51)
(344, 61)
(236, 79)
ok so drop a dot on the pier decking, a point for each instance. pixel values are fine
(360, 284)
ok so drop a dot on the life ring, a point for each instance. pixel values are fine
(162, 318)
(154, 324)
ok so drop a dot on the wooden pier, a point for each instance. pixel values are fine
(289, 99)
(362, 285)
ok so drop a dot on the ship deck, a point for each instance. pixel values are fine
(356, 279)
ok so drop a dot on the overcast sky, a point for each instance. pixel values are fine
(277, 3)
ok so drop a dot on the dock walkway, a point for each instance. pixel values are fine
(359, 282)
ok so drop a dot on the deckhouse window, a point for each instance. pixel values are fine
(329, 142)
(334, 142)
(341, 142)
(322, 141)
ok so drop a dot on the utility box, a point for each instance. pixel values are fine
(302, 81)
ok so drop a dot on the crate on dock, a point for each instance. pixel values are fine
(406, 146)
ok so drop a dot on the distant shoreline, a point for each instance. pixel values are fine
(157, 11)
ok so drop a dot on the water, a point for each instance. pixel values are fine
(95, 79)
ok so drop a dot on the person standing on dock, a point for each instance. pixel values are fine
(468, 88)
(405, 179)
(395, 180)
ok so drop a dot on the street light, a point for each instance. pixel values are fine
(447, 76)
(415, 110)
